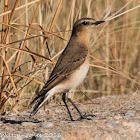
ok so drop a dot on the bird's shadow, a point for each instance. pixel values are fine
(17, 121)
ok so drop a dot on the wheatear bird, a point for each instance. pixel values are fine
(71, 67)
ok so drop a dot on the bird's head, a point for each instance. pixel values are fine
(85, 26)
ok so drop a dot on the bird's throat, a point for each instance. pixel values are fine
(83, 37)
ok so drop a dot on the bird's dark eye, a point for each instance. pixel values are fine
(84, 23)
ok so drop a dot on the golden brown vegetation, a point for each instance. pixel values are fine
(34, 33)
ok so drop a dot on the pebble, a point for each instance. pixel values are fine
(28, 124)
(97, 137)
(47, 125)
(117, 117)
(129, 115)
(134, 126)
(1, 122)
(108, 137)
(24, 113)
(112, 122)
(125, 123)
(107, 113)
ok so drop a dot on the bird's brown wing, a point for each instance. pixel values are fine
(72, 58)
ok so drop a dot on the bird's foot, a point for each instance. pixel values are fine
(86, 116)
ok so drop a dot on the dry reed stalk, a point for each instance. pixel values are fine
(30, 3)
(117, 72)
(2, 52)
(23, 46)
(44, 41)
(40, 24)
(10, 75)
(20, 40)
(49, 33)
(111, 18)
(110, 68)
(14, 28)
(4, 40)
(107, 52)
(29, 78)
(23, 51)
(51, 27)
(27, 9)
(45, 38)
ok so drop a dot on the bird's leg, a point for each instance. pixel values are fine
(64, 100)
(85, 116)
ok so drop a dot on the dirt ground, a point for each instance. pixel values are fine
(116, 118)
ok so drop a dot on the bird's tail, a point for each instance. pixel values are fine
(40, 100)
(38, 105)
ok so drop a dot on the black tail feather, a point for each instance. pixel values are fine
(37, 106)
(38, 100)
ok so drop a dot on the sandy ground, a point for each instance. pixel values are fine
(116, 118)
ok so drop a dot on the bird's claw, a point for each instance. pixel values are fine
(86, 116)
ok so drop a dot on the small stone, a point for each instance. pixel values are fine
(47, 125)
(1, 122)
(131, 133)
(28, 124)
(24, 113)
(117, 117)
(97, 137)
(107, 113)
(112, 122)
(125, 123)
(129, 114)
(134, 126)
(13, 118)
(108, 137)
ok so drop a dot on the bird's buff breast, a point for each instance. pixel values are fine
(75, 78)
(79, 75)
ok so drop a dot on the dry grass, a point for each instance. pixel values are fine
(34, 33)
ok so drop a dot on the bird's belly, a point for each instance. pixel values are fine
(74, 79)
(78, 76)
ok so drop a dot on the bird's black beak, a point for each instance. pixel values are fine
(98, 22)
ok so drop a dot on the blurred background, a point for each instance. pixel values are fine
(44, 27)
